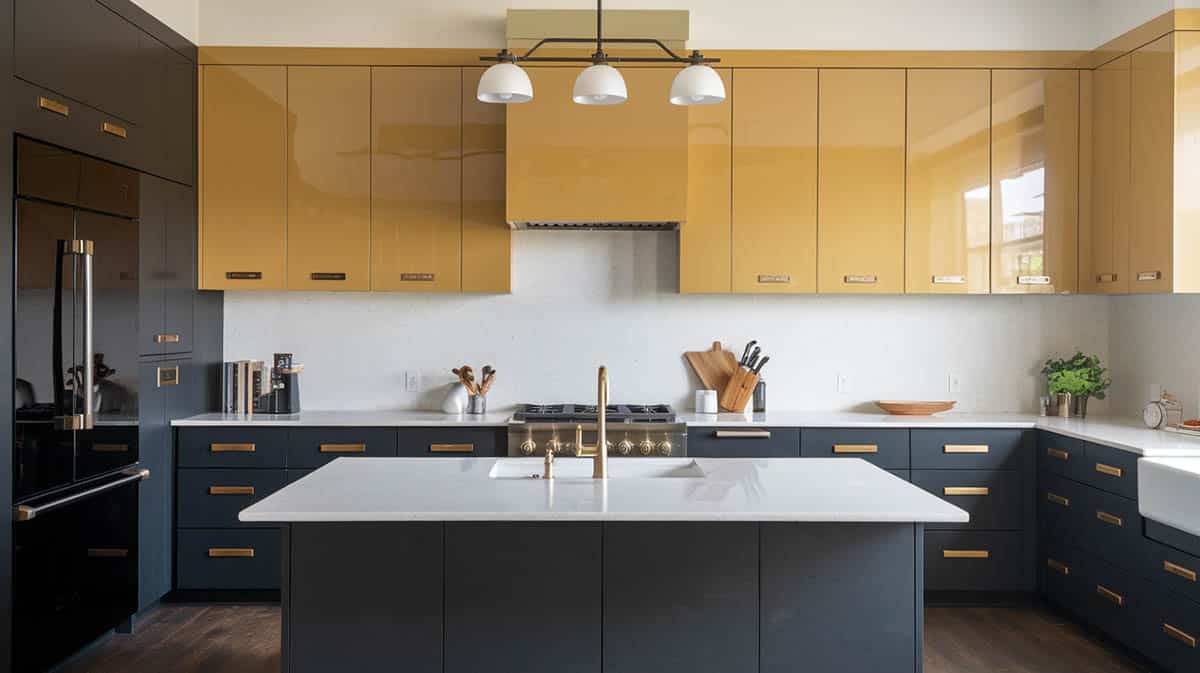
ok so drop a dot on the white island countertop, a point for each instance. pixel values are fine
(462, 489)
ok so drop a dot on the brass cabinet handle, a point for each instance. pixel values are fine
(107, 552)
(966, 553)
(742, 434)
(774, 278)
(966, 490)
(1185, 573)
(855, 279)
(231, 448)
(1109, 518)
(419, 277)
(452, 448)
(230, 552)
(231, 490)
(114, 130)
(1106, 278)
(855, 448)
(1149, 275)
(166, 376)
(343, 448)
(327, 276)
(1180, 635)
(50, 105)
(110, 448)
(966, 448)
(1109, 470)
(1033, 280)
(1112, 596)
(243, 275)
(166, 338)
(949, 280)
(1057, 453)
(1058, 499)
(1058, 566)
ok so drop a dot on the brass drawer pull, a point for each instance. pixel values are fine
(343, 448)
(418, 277)
(114, 130)
(1058, 566)
(1149, 275)
(1033, 280)
(1109, 470)
(949, 280)
(50, 105)
(966, 448)
(110, 448)
(243, 275)
(1057, 453)
(231, 490)
(1180, 635)
(966, 553)
(1106, 278)
(1058, 499)
(966, 490)
(166, 338)
(1189, 575)
(774, 278)
(230, 552)
(1109, 518)
(231, 448)
(855, 448)
(742, 434)
(327, 276)
(854, 279)
(107, 552)
(452, 448)
(166, 376)
(1110, 595)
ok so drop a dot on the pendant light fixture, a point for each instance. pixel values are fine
(600, 83)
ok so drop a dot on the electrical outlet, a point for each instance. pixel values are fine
(953, 383)
(843, 383)
(412, 381)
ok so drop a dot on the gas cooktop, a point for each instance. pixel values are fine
(588, 413)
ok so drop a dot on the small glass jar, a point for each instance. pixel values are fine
(477, 404)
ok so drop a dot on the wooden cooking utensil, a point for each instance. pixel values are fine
(714, 366)
(738, 391)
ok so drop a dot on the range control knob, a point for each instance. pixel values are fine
(646, 447)
(664, 448)
(554, 446)
(624, 447)
(608, 446)
(528, 447)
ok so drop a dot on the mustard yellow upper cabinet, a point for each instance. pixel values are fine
(705, 236)
(1152, 172)
(860, 242)
(486, 236)
(1035, 181)
(775, 181)
(329, 178)
(948, 230)
(1104, 225)
(1185, 270)
(243, 178)
(416, 179)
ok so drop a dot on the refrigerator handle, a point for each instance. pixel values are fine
(56, 339)
(87, 253)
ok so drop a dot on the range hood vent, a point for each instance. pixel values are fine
(598, 226)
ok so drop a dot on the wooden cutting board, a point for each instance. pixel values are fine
(714, 366)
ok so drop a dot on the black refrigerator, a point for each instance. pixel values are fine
(75, 453)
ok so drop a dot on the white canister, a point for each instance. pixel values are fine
(706, 401)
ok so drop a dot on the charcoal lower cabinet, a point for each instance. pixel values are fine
(736, 442)
(451, 442)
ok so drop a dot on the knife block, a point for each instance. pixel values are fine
(739, 390)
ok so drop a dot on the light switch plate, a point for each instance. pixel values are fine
(412, 381)
(843, 383)
(953, 383)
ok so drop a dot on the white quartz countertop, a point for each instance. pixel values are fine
(359, 419)
(1169, 492)
(856, 419)
(461, 489)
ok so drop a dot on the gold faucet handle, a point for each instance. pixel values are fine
(582, 450)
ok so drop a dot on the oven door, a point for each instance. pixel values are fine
(75, 557)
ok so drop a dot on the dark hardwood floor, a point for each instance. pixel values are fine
(245, 639)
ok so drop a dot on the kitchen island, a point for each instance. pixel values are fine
(467, 565)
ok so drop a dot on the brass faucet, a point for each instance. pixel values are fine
(598, 452)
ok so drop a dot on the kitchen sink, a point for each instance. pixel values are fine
(581, 468)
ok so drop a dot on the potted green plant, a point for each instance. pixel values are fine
(1081, 377)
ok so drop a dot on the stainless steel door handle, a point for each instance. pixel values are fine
(89, 346)
(27, 512)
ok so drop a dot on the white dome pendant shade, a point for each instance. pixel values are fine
(504, 83)
(600, 84)
(697, 85)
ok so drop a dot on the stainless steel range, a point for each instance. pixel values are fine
(633, 429)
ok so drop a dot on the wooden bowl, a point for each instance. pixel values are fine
(904, 408)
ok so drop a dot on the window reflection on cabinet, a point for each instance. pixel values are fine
(1035, 181)
(705, 237)
(948, 230)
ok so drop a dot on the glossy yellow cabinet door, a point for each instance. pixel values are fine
(329, 178)
(1152, 171)
(775, 181)
(1186, 253)
(1105, 225)
(243, 177)
(860, 243)
(486, 237)
(1035, 181)
(416, 179)
(705, 237)
(948, 230)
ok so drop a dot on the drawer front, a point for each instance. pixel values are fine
(967, 449)
(1112, 598)
(1170, 631)
(1112, 470)
(1112, 528)
(1063, 576)
(233, 447)
(972, 561)
(906, 475)
(991, 497)
(744, 442)
(227, 559)
(1061, 455)
(452, 442)
(213, 498)
(1061, 507)
(885, 448)
(293, 476)
(39, 113)
(313, 447)
(1171, 569)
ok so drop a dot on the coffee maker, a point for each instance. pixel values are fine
(283, 394)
